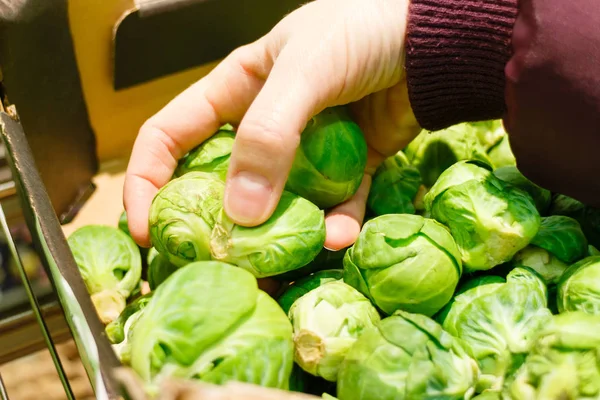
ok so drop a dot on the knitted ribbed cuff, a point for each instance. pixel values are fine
(456, 51)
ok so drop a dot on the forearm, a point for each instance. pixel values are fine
(473, 60)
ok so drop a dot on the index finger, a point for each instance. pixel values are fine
(222, 96)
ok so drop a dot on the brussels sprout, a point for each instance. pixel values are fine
(407, 356)
(209, 321)
(490, 219)
(592, 251)
(564, 362)
(290, 239)
(501, 154)
(562, 236)
(110, 265)
(182, 217)
(118, 331)
(588, 217)
(434, 152)
(579, 287)
(124, 223)
(327, 321)
(306, 284)
(326, 259)
(395, 187)
(330, 161)
(211, 156)
(497, 320)
(404, 262)
(159, 268)
(512, 175)
(541, 261)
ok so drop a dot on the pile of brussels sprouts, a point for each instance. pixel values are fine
(467, 279)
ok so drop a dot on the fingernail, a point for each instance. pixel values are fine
(247, 197)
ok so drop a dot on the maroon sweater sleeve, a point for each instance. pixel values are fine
(535, 63)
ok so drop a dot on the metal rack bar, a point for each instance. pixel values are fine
(3, 393)
(35, 306)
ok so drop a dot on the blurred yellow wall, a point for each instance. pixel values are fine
(116, 116)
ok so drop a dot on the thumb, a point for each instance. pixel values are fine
(268, 136)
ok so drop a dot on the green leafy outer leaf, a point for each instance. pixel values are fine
(489, 219)
(405, 262)
(541, 197)
(407, 356)
(394, 187)
(289, 240)
(209, 321)
(564, 362)
(306, 284)
(182, 217)
(579, 287)
(593, 251)
(562, 236)
(434, 152)
(541, 261)
(498, 321)
(124, 223)
(588, 217)
(110, 265)
(211, 156)
(488, 132)
(330, 162)
(327, 321)
(159, 269)
(501, 154)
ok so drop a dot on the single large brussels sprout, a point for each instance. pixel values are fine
(588, 217)
(490, 219)
(182, 217)
(541, 261)
(497, 319)
(209, 321)
(118, 331)
(306, 284)
(110, 265)
(579, 287)
(564, 362)
(290, 239)
(434, 152)
(404, 262)
(211, 156)
(562, 236)
(327, 321)
(510, 174)
(330, 161)
(159, 268)
(407, 356)
(395, 186)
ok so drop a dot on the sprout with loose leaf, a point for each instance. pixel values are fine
(327, 321)
(110, 265)
(497, 320)
(211, 156)
(564, 362)
(182, 217)
(510, 174)
(404, 262)
(407, 356)
(490, 219)
(288, 240)
(209, 321)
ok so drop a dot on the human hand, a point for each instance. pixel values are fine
(326, 53)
